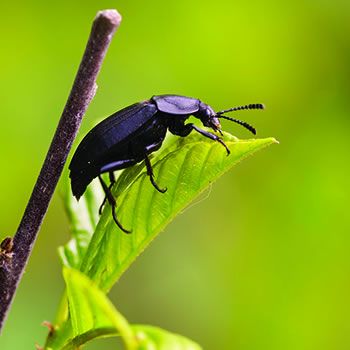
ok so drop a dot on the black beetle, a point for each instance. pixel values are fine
(128, 136)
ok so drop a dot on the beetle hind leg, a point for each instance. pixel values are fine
(112, 202)
(151, 175)
(112, 182)
(102, 205)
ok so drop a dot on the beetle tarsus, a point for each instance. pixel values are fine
(113, 206)
(224, 144)
(151, 175)
(161, 190)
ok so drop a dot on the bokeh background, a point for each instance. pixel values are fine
(263, 262)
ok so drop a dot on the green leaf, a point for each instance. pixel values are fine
(186, 166)
(92, 316)
(154, 338)
(83, 217)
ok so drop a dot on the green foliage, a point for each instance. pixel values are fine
(92, 316)
(102, 252)
(154, 338)
(91, 313)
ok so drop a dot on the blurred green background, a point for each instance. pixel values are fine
(263, 263)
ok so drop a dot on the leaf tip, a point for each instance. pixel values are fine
(273, 140)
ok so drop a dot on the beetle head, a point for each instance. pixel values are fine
(209, 118)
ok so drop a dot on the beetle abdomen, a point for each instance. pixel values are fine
(79, 183)
(114, 130)
(112, 134)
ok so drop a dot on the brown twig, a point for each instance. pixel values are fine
(83, 90)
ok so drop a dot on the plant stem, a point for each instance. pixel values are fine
(83, 90)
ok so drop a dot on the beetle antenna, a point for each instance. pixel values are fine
(250, 106)
(240, 122)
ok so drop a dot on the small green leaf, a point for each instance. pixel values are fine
(186, 166)
(92, 315)
(154, 338)
(83, 217)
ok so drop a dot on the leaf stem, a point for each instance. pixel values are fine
(82, 92)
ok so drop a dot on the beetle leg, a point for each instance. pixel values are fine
(113, 204)
(151, 175)
(120, 164)
(180, 129)
(210, 136)
(102, 205)
(112, 182)
(183, 130)
(111, 179)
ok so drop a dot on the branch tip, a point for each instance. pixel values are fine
(112, 15)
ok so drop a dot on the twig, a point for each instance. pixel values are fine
(83, 90)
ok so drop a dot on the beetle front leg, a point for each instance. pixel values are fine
(184, 130)
(211, 136)
(151, 175)
(112, 203)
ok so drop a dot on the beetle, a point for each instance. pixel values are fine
(130, 135)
